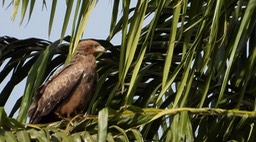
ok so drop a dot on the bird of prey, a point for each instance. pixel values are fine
(68, 91)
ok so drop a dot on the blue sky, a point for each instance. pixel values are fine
(97, 27)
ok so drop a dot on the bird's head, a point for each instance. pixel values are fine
(89, 47)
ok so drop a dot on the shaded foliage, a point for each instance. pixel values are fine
(186, 75)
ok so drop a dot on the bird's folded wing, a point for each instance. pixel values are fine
(57, 88)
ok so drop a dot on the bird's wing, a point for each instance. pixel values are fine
(57, 88)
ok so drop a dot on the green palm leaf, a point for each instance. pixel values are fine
(185, 71)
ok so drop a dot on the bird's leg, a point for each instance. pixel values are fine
(62, 117)
(59, 116)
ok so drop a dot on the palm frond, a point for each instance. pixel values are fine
(185, 70)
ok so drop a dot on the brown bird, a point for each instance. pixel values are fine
(68, 91)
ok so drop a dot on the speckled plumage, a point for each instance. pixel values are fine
(68, 91)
